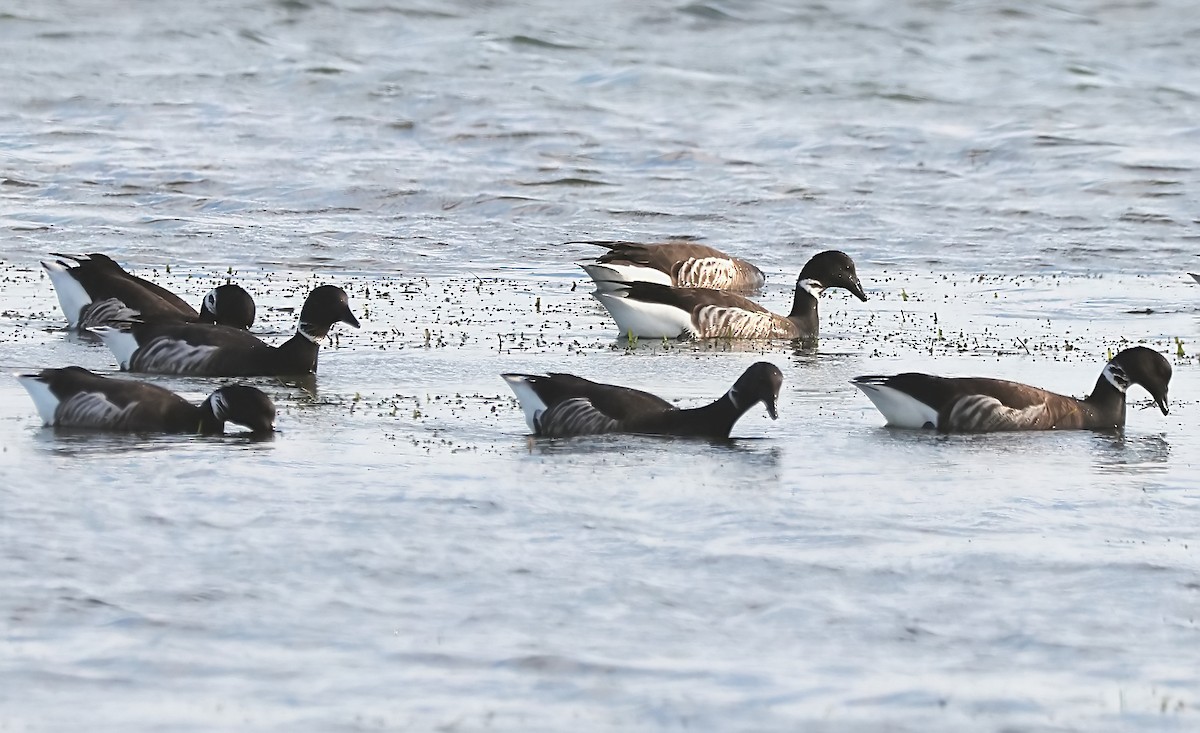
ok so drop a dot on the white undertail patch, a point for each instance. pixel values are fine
(900, 409)
(645, 319)
(72, 298)
(43, 399)
(119, 341)
(609, 273)
(531, 404)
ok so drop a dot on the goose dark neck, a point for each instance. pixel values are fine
(1106, 401)
(298, 355)
(207, 420)
(804, 307)
(714, 420)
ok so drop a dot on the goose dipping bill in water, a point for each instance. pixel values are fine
(221, 351)
(87, 286)
(676, 263)
(73, 397)
(983, 405)
(563, 405)
(651, 310)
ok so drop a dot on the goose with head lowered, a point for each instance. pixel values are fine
(221, 351)
(651, 310)
(93, 288)
(680, 264)
(73, 397)
(984, 405)
(563, 406)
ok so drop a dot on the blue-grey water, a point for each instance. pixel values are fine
(1017, 182)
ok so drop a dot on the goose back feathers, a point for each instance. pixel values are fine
(74, 397)
(679, 264)
(84, 282)
(981, 405)
(563, 405)
(214, 350)
(652, 310)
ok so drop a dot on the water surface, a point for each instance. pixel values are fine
(1015, 181)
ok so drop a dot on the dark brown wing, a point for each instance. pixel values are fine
(618, 403)
(690, 299)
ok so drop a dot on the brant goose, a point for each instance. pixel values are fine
(983, 405)
(220, 351)
(680, 264)
(73, 397)
(563, 405)
(651, 310)
(83, 282)
(1195, 276)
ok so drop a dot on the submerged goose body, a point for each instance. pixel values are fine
(93, 289)
(563, 405)
(679, 264)
(74, 397)
(651, 310)
(982, 405)
(221, 351)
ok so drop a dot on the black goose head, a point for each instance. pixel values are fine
(325, 306)
(760, 383)
(228, 305)
(832, 269)
(1140, 365)
(247, 406)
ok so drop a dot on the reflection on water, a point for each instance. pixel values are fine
(82, 442)
(1140, 454)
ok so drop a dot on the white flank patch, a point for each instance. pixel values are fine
(43, 398)
(71, 296)
(121, 343)
(625, 273)
(901, 409)
(531, 404)
(646, 320)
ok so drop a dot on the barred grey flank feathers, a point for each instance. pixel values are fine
(983, 414)
(721, 322)
(574, 417)
(106, 311)
(93, 410)
(169, 356)
(710, 272)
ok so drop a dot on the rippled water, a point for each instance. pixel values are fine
(1016, 182)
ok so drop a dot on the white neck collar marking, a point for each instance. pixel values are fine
(314, 339)
(1116, 377)
(812, 287)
